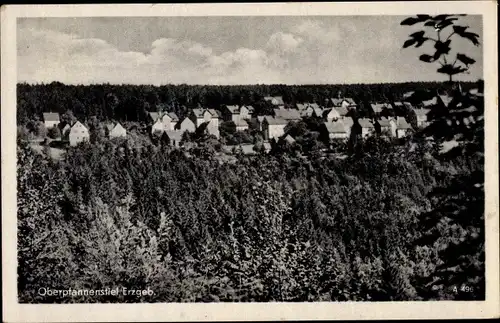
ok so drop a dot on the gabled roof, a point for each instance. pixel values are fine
(384, 122)
(51, 116)
(154, 115)
(378, 107)
(326, 112)
(350, 101)
(317, 111)
(342, 110)
(174, 135)
(214, 113)
(301, 106)
(234, 109)
(422, 112)
(249, 108)
(287, 114)
(446, 99)
(275, 121)
(402, 123)
(241, 123)
(198, 112)
(431, 102)
(365, 123)
(289, 139)
(173, 116)
(278, 99)
(335, 127)
(408, 94)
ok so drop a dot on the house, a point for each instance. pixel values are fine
(241, 125)
(246, 112)
(174, 137)
(158, 127)
(429, 104)
(366, 127)
(348, 124)
(275, 100)
(385, 126)
(287, 114)
(64, 127)
(289, 139)
(336, 130)
(399, 127)
(200, 115)
(116, 130)
(231, 113)
(421, 116)
(317, 112)
(307, 109)
(154, 116)
(168, 119)
(377, 108)
(78, 133)
(331, 114)
(347, 103)
(186, 125)
(408, 94)
(51, 119)
(273, 127)
(444, 100)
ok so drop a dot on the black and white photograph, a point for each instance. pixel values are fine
(239, 158)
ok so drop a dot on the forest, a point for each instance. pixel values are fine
(395, 220)
(389, 222)
(132, 102)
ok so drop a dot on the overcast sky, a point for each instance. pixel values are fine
(227, 50)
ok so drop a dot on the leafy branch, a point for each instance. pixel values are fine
(442, 43)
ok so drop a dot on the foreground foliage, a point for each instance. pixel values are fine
(266, 228)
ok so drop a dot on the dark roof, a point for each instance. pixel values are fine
(384, 122)
(421, 112)
(173, 116)
(365, 123)
(275, 121)
(234, 109)
(50, 116)
(335, 127)
(287, 114)
(402, 123)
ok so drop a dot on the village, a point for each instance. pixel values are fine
(339, 119)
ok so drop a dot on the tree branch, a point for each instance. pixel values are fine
(450, 36)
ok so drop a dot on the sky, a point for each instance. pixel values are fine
(228, 50)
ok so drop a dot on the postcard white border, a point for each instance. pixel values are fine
(14, 312)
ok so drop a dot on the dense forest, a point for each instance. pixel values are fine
(395, 220)
(131, 102)
(392, 221)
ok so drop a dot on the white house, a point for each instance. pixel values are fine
(331, 114)
(399, 127)
(336, 129)
(78, 133)
(273, 127)
(366, 126)
(51, 119)
(241, 125)
(116, 130)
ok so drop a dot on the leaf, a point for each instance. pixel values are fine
(430, 23)
(442, 47)
(446, 23)
(426, 58)
(459, 29)
(473, 37)
(414, 20)
(465, 59)
(418, 34)
(409, 43)
(451, 70)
